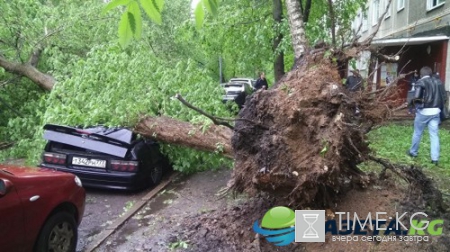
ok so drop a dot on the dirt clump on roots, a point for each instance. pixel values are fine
(302, 139)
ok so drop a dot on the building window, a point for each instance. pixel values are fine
(375, 11)
(400, 5)
(431, 4)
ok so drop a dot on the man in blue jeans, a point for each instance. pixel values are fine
(428, 100)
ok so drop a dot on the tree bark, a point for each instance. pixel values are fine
(168, 130)
(29, 71)
(296, 27)
(278, 65)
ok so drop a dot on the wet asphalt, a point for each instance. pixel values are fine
(102, 208)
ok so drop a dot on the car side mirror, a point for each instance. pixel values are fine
(5, 187)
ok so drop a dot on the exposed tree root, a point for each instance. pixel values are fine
(422, 190)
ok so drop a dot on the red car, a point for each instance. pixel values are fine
(40, 209)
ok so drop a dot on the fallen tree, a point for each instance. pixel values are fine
(301, 140)
(213, 138)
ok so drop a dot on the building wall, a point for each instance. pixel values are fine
(413, 20)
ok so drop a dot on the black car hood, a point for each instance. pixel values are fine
(112, 141)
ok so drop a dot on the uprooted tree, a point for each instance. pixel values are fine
(301, 139)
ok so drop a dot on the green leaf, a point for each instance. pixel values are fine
(159, 4)
(153, 9)
(125, 29)
(134, 9)
(113, 4)
(199, 15)
(211, 6)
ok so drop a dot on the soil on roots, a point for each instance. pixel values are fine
(301, 140)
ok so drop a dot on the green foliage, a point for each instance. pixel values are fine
(131, 21)
(131, 84)
(102, 85)
(392, 141)
(199, 15)
(153, 8)
(318, 27)
(99, 82)
(179, 245)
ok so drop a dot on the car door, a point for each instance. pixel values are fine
(12, 232)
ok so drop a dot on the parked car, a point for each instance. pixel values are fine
(250, 81)
(237, 91)
(40, 209)
(111, 158)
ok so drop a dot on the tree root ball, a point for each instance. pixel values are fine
(301, 139)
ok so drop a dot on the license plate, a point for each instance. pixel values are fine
(89, 162)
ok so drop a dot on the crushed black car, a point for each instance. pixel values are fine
(102, 157)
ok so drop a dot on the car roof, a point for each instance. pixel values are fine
(241, 79)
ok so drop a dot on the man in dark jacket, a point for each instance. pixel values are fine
(261, 82)
(428, 99)
(354, 82)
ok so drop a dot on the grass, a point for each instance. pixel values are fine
(392, 141)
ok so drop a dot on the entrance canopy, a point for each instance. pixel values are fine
(407, 41)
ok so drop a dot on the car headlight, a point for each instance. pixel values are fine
(78, 181)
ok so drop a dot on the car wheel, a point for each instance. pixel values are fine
(59, 234)
(156, 173)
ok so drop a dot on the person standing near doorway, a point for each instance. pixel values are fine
(428, 101)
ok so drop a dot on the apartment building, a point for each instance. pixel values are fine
(418, 31)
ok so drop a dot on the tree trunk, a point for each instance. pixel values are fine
(296, 27)
(29, 71)
(168, 130)
(278, 65)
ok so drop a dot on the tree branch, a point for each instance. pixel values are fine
(213, 118)
(368, 41)
(217, 120)
(45, 81)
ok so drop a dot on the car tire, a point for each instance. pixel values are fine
(58, 234)
(156, 173)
